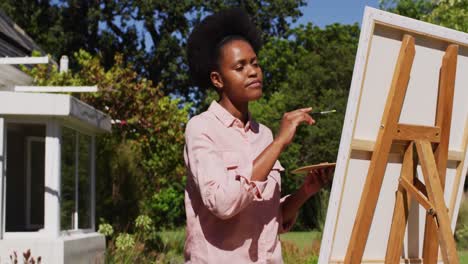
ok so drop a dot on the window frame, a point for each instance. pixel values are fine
(27, 215)
(75, 222)
(53, 174)
(25, 121)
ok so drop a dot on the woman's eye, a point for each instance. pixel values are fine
(239, 68)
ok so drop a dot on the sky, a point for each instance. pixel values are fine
(325, 12)
(320, 13)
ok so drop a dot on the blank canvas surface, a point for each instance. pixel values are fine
(375, 63)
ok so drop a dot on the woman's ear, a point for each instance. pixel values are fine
(217, 80)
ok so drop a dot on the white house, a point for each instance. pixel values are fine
(47, 163)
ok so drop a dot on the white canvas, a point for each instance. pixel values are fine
(379, 45)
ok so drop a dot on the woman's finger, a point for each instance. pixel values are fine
(300, 111)
(296, 113)
(305, 109)
(321, 179)
(323, 173)
(313, 173)
(303, 117)
(330, 172)
(326, 176)
(314, 176)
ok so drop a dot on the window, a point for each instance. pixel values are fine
(76, 180)
(84, 182)
(25, 170)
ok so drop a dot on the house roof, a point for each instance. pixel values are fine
(61, 106)
(14, 42)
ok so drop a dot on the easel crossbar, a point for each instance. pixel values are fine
(432, 162)
(415, 193)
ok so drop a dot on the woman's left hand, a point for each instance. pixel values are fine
(316, 179)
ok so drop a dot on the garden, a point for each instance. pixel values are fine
(134, 51)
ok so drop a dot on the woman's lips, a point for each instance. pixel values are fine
(254, 84)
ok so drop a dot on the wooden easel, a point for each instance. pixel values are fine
(433, 163)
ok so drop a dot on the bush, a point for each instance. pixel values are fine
(144, 245)
(105, 229)
(166, 208)
(461, 230)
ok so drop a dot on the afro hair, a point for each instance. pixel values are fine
(211, 34)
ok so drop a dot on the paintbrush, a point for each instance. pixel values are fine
(317, 113)
(323, 112)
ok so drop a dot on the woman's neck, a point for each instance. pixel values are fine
(238, 110)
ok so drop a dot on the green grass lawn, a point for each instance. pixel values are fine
(174, 242)
(301, 239)
(463, 257)
(304, 239)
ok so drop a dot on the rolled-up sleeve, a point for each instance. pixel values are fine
(222, 179)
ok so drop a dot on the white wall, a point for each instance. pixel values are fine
(79, 248)
(2, 176)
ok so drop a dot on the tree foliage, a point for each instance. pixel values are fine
(143, 155)
(409, 8)
(135, 54)
(311, 68)
(450, 13)
(150, 34)
(447, 13)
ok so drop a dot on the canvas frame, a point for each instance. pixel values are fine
(352, 147)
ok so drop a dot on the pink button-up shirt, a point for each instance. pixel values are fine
(230, 218)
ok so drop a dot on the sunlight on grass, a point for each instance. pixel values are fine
(463, 257)
(297, 246)
(300, 247)
(301, 239)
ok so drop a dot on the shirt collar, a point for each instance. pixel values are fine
(228, 119)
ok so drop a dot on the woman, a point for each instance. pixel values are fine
(232, 198)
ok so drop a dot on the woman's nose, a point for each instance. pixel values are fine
(252, 71)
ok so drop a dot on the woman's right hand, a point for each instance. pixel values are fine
(289, 124)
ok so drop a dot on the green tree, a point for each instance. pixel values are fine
(450, 13)
(143, 155)
(150, 34)
(447, 13)
(311, 68)
(410, 8)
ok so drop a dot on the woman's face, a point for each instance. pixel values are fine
(239, 77)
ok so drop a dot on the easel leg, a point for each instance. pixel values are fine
(375, 175)
(436, 196)
(401, 211)
(443, 120)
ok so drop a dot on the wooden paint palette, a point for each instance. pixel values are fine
(306, 169)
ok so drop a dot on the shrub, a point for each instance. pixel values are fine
(461, 230)
(106, 229)
(166, 207)
(124, 242)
